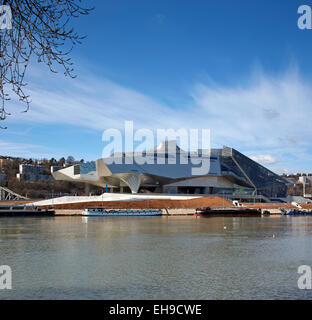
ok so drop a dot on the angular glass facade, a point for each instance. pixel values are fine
(87, 167)
(227, 171)
(266, 182)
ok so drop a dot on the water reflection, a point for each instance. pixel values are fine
(155, 257)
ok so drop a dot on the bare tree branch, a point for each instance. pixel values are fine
(40, 28)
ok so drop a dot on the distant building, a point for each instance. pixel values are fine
(4, 161)
(33, 177)
(56, 168)
(305, 180)
(29, 172)
(3, 178)
(40, 162)
(31, 169)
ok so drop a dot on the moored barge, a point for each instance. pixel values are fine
(25, 211)
(226, 212)
(100, 212)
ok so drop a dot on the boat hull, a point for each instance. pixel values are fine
(25, 212)
(296, 213)
(227, 212)
(122, 213)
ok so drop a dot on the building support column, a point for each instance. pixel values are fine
(133, 181)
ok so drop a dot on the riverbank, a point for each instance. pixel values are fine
(165, 212)
(171, 205)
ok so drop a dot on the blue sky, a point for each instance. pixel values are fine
(240, 68)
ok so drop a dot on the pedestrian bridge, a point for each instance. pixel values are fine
(8, 195)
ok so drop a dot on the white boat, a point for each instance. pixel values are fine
(121, 212)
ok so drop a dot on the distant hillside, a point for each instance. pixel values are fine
(42, 189)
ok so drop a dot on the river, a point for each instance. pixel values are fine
(156, 257)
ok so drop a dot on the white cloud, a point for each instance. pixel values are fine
(264, 159)
(265, 115)
(23, 150)
(96, 104)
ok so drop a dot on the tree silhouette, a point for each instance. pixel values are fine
(70, 160)
(34, 28)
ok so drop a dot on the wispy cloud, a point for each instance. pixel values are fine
(265, 115)
(23, 150)
(270, 114)
(94, 103)
(242, 114)
(264, 159)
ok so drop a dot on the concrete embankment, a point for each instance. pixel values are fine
(213, 202)
(59, 212)
(170, 204)
(168, 207)
(178, 212)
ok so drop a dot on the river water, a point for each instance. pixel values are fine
(155, 257)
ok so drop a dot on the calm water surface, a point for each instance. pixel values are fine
(155, 257)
